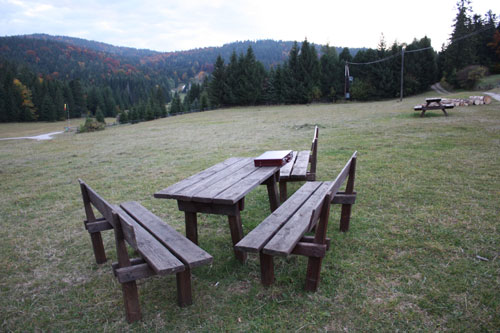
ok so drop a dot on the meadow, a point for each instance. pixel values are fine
(422, 253)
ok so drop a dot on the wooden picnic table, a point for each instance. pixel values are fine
(221, 189)
(433, 103)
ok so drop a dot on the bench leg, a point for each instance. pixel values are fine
(445, 113)
(131, 300)
(283, 193)
(184, 293)
(237, 235)
(266, 269)
(345, 217)
(313, 273)
(191, 227)
(97, 245)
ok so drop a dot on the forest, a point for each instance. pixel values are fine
(49, 78)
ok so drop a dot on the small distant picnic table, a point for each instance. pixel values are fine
(433, 103)
(221, 189)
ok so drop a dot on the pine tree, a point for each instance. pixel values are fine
(47, 111)
(59, 104)
(176, 107)
(309, 72)
(204, 101)
(99, 116)
(218, 85)
(79, 105)
(329, 78)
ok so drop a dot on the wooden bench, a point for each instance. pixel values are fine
(284, 231)
(297, 169)
(161, 248)
(433, 104)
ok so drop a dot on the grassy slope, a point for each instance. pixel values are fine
(427, 206)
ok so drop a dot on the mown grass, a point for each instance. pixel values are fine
(428, 204)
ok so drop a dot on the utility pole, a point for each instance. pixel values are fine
(346, 82)
(402, 67)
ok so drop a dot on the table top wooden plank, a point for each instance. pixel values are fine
(433, 99)
(192, 191)
(235, 178)
(184, 249)
(239, 189)
(230, 181)
(299, 170)
(171, 191)
(286, 169)
(255, 240)
(292, 231)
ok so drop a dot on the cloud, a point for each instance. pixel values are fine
(178, 25)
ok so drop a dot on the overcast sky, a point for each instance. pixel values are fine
(187, 24)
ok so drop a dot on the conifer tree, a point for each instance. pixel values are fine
(79, 104)
(47, 111)
(59, 103)
(99, 116)
(218, 85)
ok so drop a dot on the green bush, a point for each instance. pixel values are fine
(91, 125)
(99, 116)
(362, 90)
(470, 75)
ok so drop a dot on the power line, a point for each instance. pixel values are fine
(471, 34)
(372, 62)
(421, 49)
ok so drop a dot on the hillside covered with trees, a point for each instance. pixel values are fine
(40, 74)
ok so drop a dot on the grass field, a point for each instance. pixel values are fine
(426, 213)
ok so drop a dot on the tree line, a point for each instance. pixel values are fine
(137, 88)
(26, 96)
(307, 76)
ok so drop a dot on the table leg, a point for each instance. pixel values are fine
(191, 226)
(237, 235)
(272, 191)
(283, 193)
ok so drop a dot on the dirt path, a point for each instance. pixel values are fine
(48, 136)
(439, 89)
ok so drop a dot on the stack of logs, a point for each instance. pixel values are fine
(472, 100)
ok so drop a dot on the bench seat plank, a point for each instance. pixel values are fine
(184, 249)
(299, 170)
(255, 240)
(289, 235)
(286, 170)
(161, 260)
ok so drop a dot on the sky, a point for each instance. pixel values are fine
(187, 24)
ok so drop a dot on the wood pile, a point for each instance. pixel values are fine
(472, 100)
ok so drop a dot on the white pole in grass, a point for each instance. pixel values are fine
(402, 67)
(66, 109)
